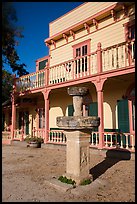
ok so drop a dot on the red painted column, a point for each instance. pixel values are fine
(13, 119)
(46, 98)
(101, 115)
(99, 87)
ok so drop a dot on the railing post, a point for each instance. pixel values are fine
(47, 76)
(99, 57)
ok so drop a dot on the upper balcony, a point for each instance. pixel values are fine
(111, 58)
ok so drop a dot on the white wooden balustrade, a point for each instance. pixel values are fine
(113, 57)
(31, 81)
(57, 136)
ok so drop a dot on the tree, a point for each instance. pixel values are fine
(7, 83)
(9, 42)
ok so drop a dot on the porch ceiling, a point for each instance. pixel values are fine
(124, 78)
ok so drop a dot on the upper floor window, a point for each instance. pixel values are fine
(42, 63)
(80, 53)
(130, 30)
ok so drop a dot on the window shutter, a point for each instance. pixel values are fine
(93, 109)
(123, 115)
(70, 110)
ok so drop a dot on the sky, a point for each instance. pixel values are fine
(34, 18)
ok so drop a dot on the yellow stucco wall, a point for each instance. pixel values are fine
(113, 91)
(58, 107)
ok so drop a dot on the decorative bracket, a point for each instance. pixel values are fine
(124, 9)
(72, 33)
(47, 44)
(113, 13)
(95, 23)
(87, 27)
(53, 43)
(65, 37)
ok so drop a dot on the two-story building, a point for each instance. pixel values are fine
(93, 46)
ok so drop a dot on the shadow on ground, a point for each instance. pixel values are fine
(113, 156)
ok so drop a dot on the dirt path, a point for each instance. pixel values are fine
(24, 171)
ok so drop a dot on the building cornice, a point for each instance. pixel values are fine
(111, 10)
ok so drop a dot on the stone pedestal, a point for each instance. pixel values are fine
(77, 130)
(77, 156)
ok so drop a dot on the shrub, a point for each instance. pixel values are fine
(29, 139)
(64, 179)
(85, 182)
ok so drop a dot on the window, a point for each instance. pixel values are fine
(80, 53)
(41, 118)
(43, 64)
(130, 37)
(130, 31)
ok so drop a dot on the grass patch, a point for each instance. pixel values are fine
(85, 182)
(64, 179)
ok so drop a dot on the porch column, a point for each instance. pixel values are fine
(13, 120)
(46, 98)
(99, 87)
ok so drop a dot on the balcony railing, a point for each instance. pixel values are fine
(31, 81)
(111, 139)
(113, 57)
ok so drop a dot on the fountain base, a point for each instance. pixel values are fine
(78, 132)
(77, 155)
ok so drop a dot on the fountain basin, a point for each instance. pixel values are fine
(78, 122)
(77, 91)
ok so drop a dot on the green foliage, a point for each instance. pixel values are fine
(29, 139)
(7, 83)
(85, 182)
(9, 42)
(65, 180)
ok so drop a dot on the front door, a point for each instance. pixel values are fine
(24, 121)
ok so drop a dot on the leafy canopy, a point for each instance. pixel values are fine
(9, 42)
(7, 82)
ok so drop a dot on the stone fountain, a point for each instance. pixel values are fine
(78, 132)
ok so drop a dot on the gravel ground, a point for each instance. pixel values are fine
(25, 170)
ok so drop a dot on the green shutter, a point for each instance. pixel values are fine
(93, 109)
(42, 64)
(70, 110)
(123, 115)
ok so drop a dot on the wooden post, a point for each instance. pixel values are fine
(13, 119)
(46, 98)
(99, 87)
